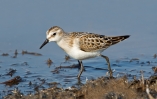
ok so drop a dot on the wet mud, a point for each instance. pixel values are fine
(101, 88)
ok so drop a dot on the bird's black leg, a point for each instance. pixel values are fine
(81, 69)
(108, 62)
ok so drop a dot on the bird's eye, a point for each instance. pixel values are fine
(54, 34)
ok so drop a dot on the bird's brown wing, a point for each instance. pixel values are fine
(93, 42)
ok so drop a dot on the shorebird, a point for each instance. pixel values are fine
(82, 45)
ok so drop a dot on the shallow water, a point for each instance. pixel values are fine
(34, 69)
(23, 28)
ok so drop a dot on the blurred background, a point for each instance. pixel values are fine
(23, 23)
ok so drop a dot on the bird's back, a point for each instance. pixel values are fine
(94, 42)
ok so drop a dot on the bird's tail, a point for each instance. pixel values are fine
(116, 39)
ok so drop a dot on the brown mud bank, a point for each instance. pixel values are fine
(101, 88)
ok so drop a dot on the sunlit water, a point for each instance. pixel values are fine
(23, 30)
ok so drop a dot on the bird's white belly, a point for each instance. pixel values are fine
(75, 52)
(81, 55)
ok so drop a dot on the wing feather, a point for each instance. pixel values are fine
(94, 42)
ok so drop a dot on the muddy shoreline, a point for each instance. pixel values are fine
(101, 88)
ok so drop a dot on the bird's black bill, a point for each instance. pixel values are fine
(45, 42)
